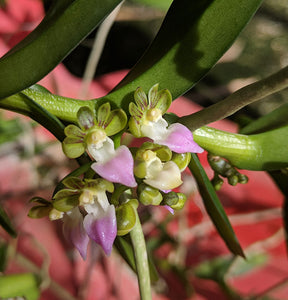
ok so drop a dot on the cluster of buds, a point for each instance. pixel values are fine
(104, 205)
(223, 168)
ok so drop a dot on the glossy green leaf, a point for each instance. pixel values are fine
(19, 285)
(6, 223)
(66, 24)
(192, 38)
(160, 4)
(214, 207)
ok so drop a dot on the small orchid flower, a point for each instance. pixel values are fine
(93, 135)
(162, 174)
(147, 121)
(87, 213)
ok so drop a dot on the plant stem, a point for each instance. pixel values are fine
(141, 258)
(258, 152)
(246, 95)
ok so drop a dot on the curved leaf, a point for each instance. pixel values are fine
(214, 207)
(192, 38)
(6, 223)
(66, 24)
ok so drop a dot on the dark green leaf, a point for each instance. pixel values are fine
(6, 223)
(66, 24)
(214, 207)
(193, 37)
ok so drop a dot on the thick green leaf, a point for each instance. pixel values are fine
(192, 38)
(6, 223)
(214, 207)
(66, 24)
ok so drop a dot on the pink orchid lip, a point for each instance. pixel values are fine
(102, 230)
(180, 140)
(74, 232)
(119, 169)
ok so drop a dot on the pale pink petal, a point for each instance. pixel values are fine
(118, 169)
(180, 140)
(74, 231)
(102, 230)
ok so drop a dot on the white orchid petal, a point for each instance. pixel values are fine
(167, 179)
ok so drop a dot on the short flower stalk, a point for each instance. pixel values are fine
(97, 208)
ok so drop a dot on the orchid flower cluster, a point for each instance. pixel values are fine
(103, 205)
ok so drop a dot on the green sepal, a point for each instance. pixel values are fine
(149, 195)
(163, 100)
(86, 118)
(116, 121)
(39, 211)
(103, 113)
(72, 148)
(99, 184)
(73, 182)
(73, 131)
(40, 200)
(181, 160)
(134, 126)
(140, 99)
(65, 200)
(126, 218)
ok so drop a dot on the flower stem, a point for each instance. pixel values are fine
(244, 96)
(141, 258)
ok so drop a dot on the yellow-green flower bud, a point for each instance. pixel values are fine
(126, 218)
(181, 202)
(149, 195)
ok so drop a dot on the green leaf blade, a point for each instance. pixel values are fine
(214, 207)
(193, 37)
(6, 223)
(63, 28)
